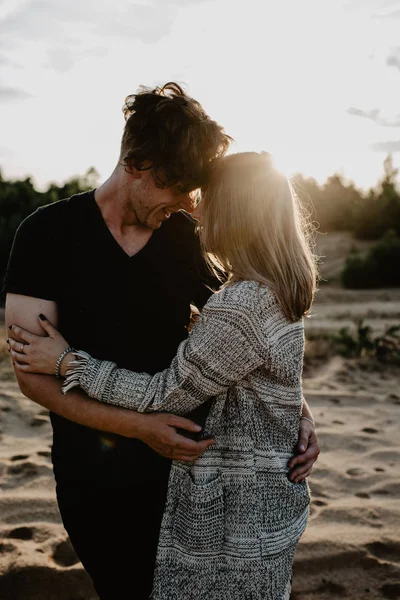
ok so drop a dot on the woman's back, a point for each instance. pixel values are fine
(234, 511)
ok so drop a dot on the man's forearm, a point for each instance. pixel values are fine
(78, 407)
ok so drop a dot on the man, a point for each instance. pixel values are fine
(116, 269)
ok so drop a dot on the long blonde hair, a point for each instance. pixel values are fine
(253, 229)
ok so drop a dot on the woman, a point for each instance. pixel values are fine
(232, 518)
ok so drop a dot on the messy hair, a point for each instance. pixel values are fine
(170, 130)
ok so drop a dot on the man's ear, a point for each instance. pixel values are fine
(135, 173)
(142, 172)
(132, 171)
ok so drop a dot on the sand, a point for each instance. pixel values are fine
(351, 548)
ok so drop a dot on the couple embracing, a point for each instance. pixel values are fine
(180, 458)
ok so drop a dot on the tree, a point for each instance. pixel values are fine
(381, 209)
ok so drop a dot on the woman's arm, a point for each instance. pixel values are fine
(222, 349)
(41, 354)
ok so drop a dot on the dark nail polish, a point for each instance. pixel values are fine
(42, 317)
(10, 327)
(8, 341)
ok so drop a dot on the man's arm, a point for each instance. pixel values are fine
(307, 447)
(306, 410)
(158, 431)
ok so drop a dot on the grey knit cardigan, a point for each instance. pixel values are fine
(232, 517)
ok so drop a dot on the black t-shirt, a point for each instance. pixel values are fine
(131, 310)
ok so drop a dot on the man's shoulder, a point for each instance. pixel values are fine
(55, 213)
(66, 206)
(181, 231)
(182, 222)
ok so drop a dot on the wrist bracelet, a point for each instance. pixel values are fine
(308, 419)
(59, 361)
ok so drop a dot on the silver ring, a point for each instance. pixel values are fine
(22, 348)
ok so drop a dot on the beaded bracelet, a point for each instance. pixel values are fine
(60, 359)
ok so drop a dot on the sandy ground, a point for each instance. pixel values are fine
(351, 548)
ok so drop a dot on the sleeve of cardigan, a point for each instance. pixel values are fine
(222, 349)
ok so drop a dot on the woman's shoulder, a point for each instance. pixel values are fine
(247, 296)
(256, 302)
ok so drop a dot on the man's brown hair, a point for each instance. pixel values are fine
(171, 130)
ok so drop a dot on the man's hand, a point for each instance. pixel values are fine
(158, 431)
(308, 450)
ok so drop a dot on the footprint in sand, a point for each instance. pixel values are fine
(21, 533)
(6, 548)
(19, 457)
(355, 472)
(332, 588)
(317, 490)
(379, 469)
(337, 422)
(370, 430)
(391, 590)
(362, 495)
(319, 503)
(64, 554)
(45, 453)
(38, 421)
(26, 468)
(373, 518)
(385, 550)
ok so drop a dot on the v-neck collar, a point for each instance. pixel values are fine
(107, 234)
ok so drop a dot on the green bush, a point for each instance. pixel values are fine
(360, 343)
(379, 268)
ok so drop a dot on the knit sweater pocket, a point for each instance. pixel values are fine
(284, 512)
(198, 524)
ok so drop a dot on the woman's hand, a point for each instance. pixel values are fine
(37, 354)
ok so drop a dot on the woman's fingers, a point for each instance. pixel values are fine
(47, 326)
(23, 367)
(21, 334)
(18, 347)
(17, 356)
(19, 359)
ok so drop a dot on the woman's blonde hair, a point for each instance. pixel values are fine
(253, 229)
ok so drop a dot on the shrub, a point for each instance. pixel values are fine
(360, 343)
(378, 268)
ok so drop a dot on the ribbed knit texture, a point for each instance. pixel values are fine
(232, 518)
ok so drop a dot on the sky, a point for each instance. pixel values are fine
(315, 82)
